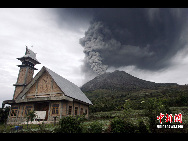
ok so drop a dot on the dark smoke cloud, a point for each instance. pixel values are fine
(99, 41)
(72, 18)
(144, 37)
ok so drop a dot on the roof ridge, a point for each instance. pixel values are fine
(59, 75)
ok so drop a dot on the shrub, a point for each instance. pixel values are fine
(142, 127)
(153, 107)
(70, 124)
(4, 114)
(129, 127)
(95, 127)
(119, 125)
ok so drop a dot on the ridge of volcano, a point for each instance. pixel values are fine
(120, 80)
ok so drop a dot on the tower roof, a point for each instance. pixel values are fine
(29, 54)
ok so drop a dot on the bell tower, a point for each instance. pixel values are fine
(26, 71)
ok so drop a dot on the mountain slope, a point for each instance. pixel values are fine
(120, 80)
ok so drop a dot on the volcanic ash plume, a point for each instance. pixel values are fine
(92, 42)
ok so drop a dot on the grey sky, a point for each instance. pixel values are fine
(79, 43)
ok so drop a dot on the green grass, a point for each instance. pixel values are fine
(32, 128)
(136, 115)
(104, 122)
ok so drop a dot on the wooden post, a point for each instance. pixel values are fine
(73, 106)
(79, 108)
(54, 120)
(21, 112)
(9, 114)
(66, 108)
(49, 110)
(60, 108)
(17, 113)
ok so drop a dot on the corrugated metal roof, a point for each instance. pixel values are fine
(70, 89)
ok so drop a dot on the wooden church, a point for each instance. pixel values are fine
(48, 94)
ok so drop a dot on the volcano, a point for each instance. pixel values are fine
(120, 80)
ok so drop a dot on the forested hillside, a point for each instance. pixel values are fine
(109, 91)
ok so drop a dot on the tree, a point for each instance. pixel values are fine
(30, 116)
(127, 109)
(142, 127)
(153, 108)
(4, 114)
(120, 125)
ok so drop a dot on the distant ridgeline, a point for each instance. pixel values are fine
(120, 80)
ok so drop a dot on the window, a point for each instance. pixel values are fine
(55, 109)
(14, 111)
(76, 111)
(28, 109)
(70, 110)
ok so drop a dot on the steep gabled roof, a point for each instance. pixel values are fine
(69, 89)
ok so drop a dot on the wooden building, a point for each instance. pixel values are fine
(47, 93)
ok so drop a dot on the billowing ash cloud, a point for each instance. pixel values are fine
(92, 43)
(145, 38)
(99, 38)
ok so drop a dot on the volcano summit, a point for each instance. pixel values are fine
(120, 80)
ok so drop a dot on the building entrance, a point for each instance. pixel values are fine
(42, 106)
